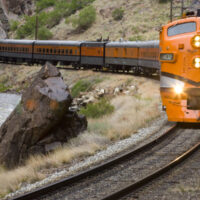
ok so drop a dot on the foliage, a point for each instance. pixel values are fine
(42, 4)
(81, 86)
(3, 87)
(118, 14)
(44, 33)
(53, 18)
(97, 110)
(26, 29)
(86, 18)
(61, 8)
(14, 25)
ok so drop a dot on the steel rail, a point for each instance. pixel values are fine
(75, 178)
(132, 187)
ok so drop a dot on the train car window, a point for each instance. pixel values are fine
(43, 50)
(0, 48)
(75, 52)
(47, 50)
(58, 51)
(5, 48)
(66, 51)
(51, 50)
(70, 51)
(62, 51)
(54, 50)
(181, 28)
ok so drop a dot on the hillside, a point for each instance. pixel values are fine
(133, 20)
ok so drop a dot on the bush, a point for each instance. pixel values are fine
(85, 19)
(81, 86)
(14, 25)
(53, 18)
(42, 4)
(118, 14)
(26, 29)
(97, 110)
(3, 88)
(44, 34)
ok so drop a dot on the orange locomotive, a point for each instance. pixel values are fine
(180, 69)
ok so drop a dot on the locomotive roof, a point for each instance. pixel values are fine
(57, 42)
(12, 41)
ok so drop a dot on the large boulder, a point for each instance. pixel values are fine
(42, 121)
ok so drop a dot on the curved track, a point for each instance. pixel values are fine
(127, 172)
(91, 172)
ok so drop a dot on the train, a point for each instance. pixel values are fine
(180, 69)
(137, 57)
(176, 57)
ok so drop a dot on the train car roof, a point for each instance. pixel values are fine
(12, 41)
(152, 43)
(58, 42)
(122, 44)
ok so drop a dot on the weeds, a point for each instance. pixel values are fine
(97, 110)
(86, 18)
(118, 14)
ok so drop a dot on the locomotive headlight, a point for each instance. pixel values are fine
(197, 63)
(178, 89)
(196, 41)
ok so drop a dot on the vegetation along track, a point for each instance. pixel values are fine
(115, 174)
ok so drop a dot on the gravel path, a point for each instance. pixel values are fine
(144, 135)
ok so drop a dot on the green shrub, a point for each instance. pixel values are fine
(44, 33)
(42, 4)
(81, 86)
(53, 18)
(26, 29)
(86, 18)
(14, 25)
(97, 110)
(3, 88)
(118, 14)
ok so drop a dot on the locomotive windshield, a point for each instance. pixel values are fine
(182, 28)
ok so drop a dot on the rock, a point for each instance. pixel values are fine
(116, 91)
(41, 118)
(18, 7)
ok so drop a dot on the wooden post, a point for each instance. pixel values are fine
(171, 10)
(36, 27)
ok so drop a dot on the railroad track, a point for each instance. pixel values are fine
(91, 172)
(151, 161)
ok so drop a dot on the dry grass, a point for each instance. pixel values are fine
(17, 77)
(84, 145)
(131, 113)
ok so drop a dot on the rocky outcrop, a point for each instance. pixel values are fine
(4, 24)
(18, 7)
(42, 121)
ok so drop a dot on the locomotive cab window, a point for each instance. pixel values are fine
(181, 28)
